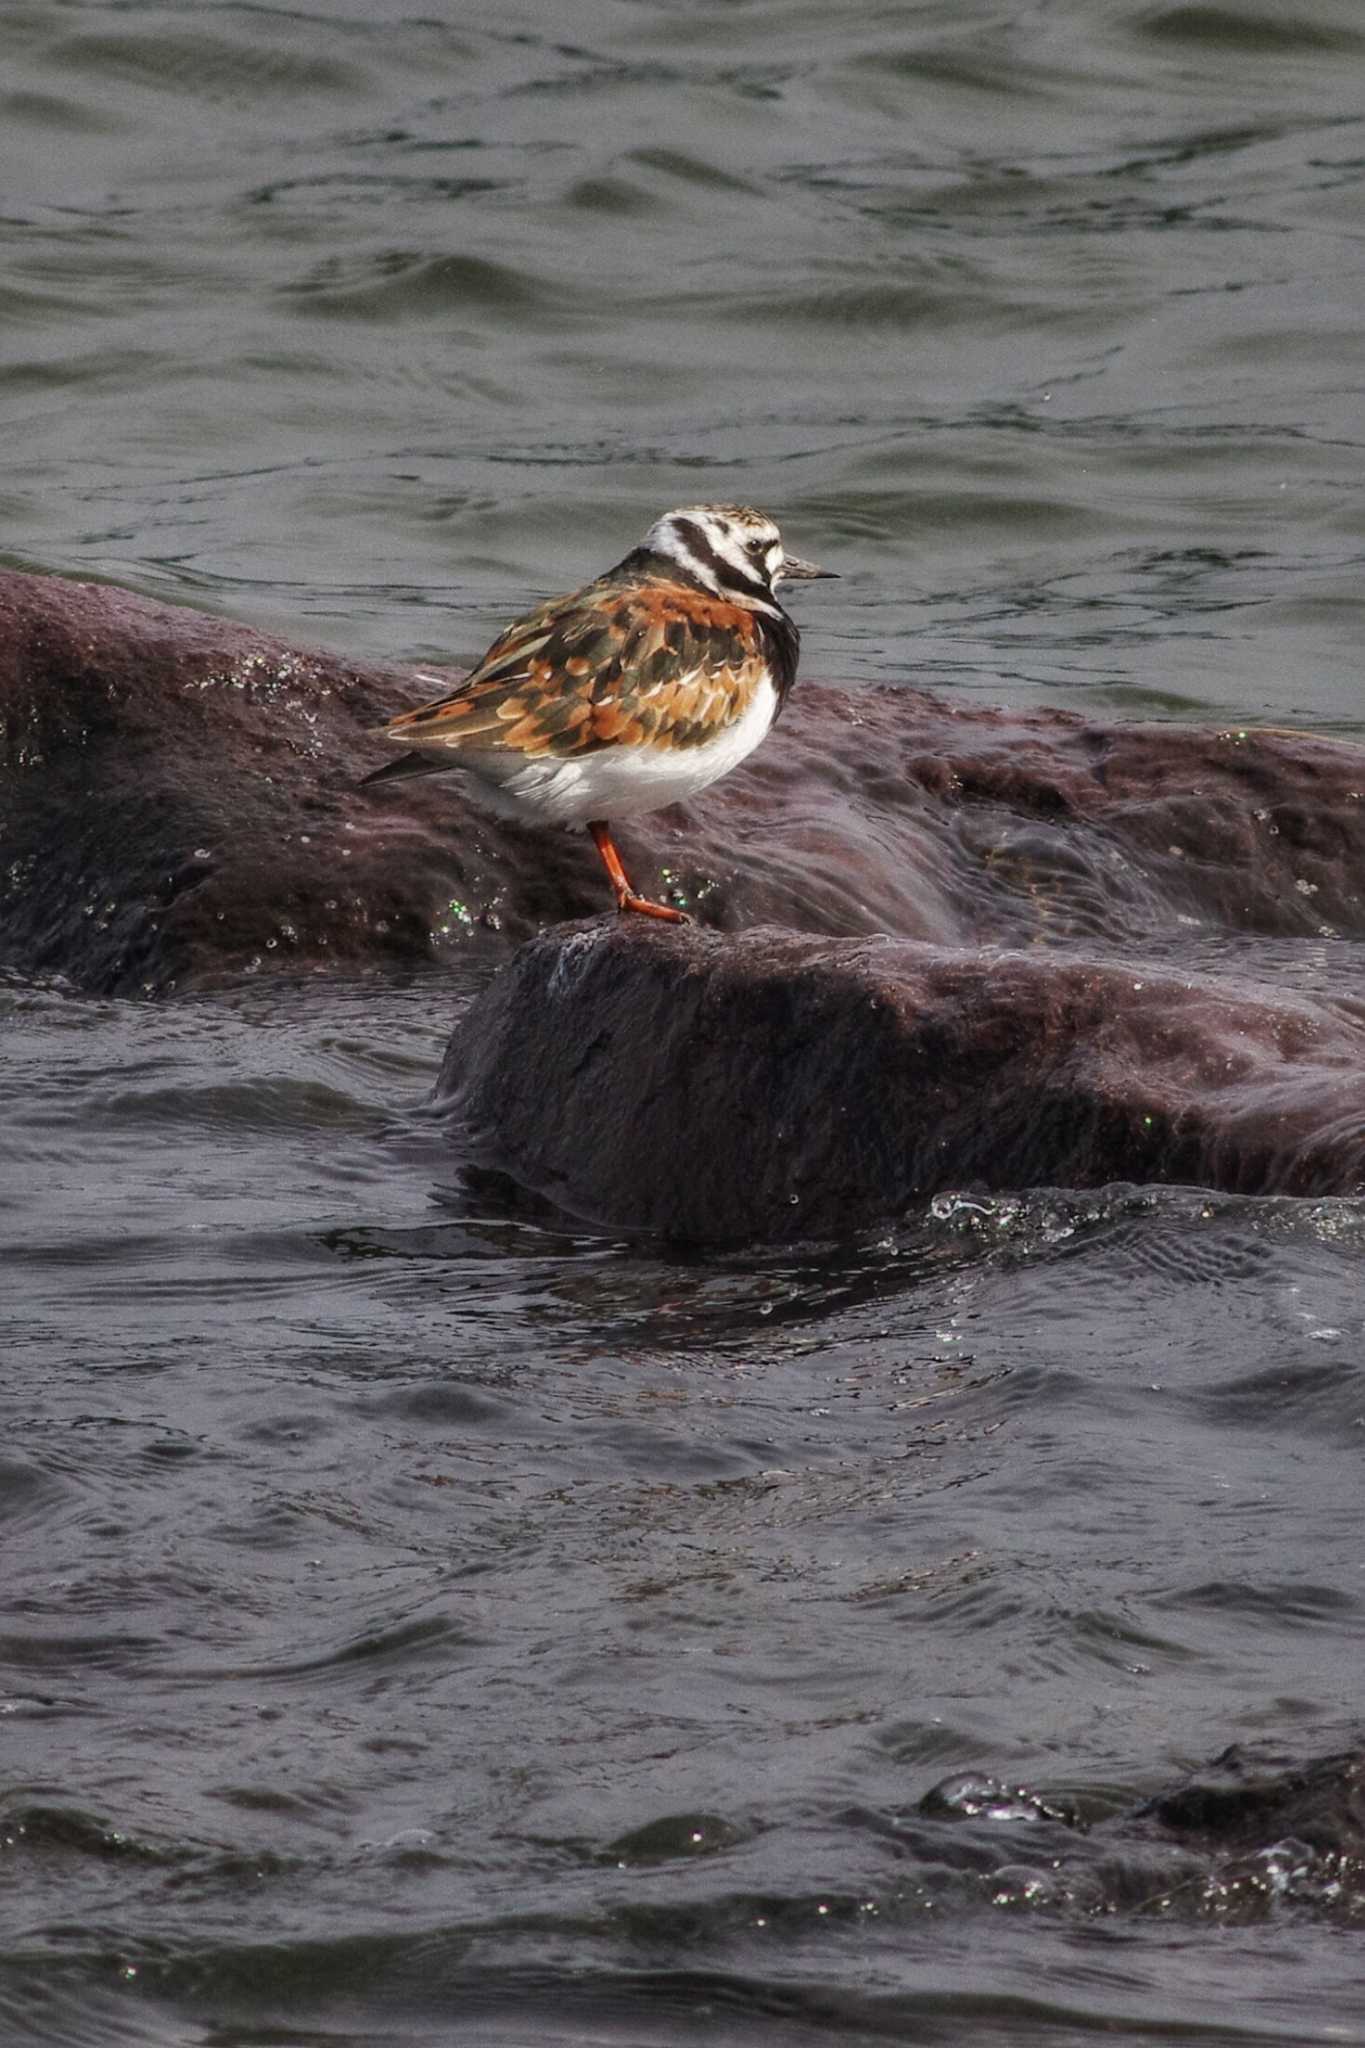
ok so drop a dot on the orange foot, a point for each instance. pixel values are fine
(663, 911)
(626, 898)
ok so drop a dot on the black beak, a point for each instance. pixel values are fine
(803, 572)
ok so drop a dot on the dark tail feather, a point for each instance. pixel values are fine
(408, 764)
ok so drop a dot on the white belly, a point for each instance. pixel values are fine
(618, 781)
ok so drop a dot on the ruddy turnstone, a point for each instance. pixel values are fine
(635, 692)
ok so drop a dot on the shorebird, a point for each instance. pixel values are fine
(634, 692)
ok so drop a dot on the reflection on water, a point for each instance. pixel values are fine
(426, 1619)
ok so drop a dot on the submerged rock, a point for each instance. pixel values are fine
(179, 804)
(1253, 1831)
(773, 1085)
(1249, 1798)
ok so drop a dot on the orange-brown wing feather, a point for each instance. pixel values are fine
(609, 666)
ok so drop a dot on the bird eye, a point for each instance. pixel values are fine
(757, 548)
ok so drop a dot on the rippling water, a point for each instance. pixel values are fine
(1041, 322)
(426, 1622)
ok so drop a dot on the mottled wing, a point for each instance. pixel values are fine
(612, 665)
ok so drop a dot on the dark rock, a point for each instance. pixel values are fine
(890, 810)
(1252, 1832)
(178, 804)
(1247, 1799)
(777, 1086)
(178, 801)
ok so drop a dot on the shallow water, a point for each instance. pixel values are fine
(426, 1622)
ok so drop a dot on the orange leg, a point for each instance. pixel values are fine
(626, 898)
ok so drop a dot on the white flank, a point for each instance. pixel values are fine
(617, 781)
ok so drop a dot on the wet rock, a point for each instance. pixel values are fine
(1250, 1832)
(1248, 1799)
(891, 810)
(179, 804)
(774, 1085)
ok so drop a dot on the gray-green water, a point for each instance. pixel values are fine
(418, 1624)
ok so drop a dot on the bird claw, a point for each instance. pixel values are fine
(645, 908)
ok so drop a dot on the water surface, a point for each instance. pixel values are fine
(426, 1622)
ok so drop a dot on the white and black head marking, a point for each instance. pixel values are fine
(730, 550)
